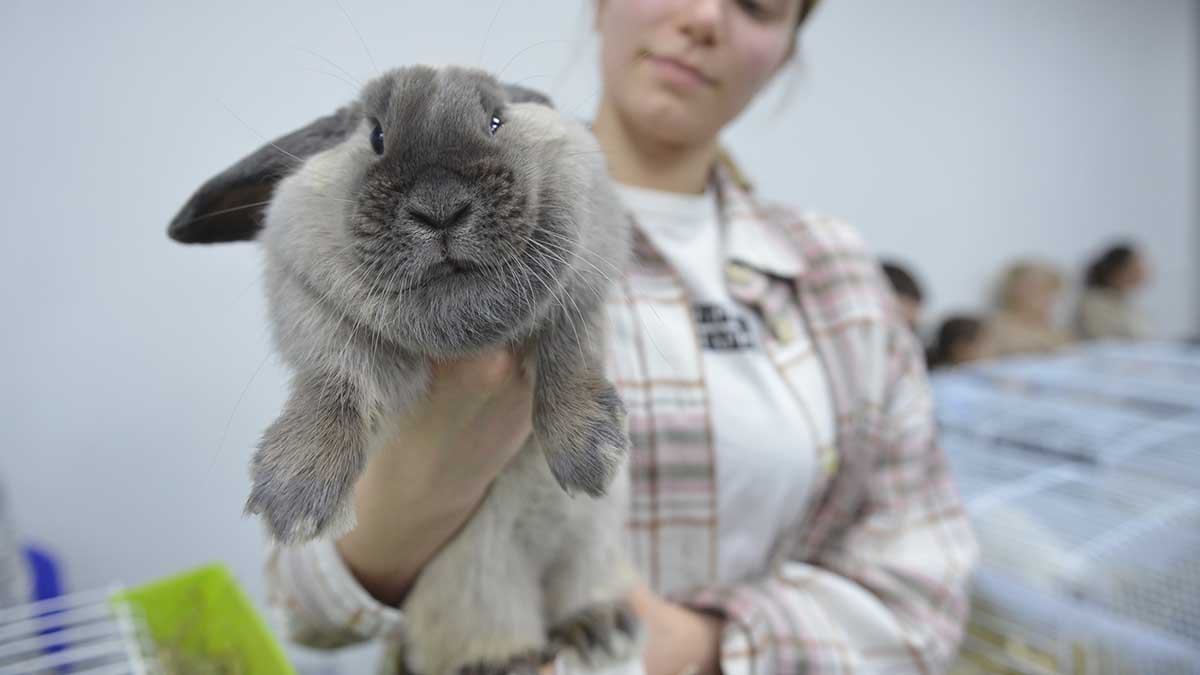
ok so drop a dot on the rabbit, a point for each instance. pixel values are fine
(440, 214)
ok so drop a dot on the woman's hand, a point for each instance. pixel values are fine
(679, 640)
(424, 485)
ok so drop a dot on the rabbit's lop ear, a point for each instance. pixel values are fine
(230, 205)
(519, 94)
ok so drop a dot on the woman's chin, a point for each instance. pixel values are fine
(669, 119)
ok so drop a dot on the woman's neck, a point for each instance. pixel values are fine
(634, 159)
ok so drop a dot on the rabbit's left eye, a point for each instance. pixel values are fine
(496, 123)
(377, 139)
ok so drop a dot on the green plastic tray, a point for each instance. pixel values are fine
(201, 621)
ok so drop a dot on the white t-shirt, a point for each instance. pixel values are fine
(765, 449)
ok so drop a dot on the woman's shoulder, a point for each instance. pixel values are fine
(836, 265)
(839, 269)
(829, 247)
(818, 232)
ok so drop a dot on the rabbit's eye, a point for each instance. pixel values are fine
(496, 123)
(377, 139)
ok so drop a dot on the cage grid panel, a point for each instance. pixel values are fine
(1081, 475)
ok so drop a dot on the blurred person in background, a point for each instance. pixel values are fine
(792, 508)
(1024, 321)
(1106, 308)
(960, 339)
(14, 573)
(908, 293)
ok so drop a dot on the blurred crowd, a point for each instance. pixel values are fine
(1024, 316)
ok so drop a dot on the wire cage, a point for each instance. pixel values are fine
(196, 623)
(77, 633)
(1081, 475)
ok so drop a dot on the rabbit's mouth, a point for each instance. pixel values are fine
(448, 268)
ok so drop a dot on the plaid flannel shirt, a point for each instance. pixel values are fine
(873, 578)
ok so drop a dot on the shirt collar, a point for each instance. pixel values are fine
(754, 234)
(755, 239)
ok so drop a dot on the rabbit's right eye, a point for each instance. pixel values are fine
(377, 139)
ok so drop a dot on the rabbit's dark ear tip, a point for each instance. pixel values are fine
(178, 230)
(223, 210)
(187, 228)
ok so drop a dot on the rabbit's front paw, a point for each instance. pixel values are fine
(308, 461)
(299, 503)
(526, 664)
(298, 510)
(599, 635)
(583, 435)
(428, 660)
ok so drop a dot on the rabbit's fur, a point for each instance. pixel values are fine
(488, 220)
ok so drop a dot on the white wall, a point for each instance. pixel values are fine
(954, 133)
(959, 135)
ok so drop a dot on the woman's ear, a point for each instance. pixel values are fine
(229, 206)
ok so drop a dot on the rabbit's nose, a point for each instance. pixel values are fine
(440, 217)
(441, 199)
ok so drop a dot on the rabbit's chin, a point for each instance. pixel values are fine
(455, 312)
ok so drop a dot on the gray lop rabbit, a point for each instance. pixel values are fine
(440, 214)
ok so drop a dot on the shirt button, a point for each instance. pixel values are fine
(738, 274)
(830, 461)
(784, 332)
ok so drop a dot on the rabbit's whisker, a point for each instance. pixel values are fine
(350, 84)
(232, 209)
(513, 256)
(257, 133)
(488, 33)
(298, 160)
(330, 62)
(574, 243)
(360, 37)
(233, 413)
(548, 280)
(518, 54)
(531, 77)
(610, 280)
(551, 248)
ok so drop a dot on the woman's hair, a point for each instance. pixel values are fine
(1020, 272)
(1102, 272)
(903, 282)
(806, 9)
(954, 331)
(734, 169)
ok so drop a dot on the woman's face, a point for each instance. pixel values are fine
(679, 70)
(1133, 275)
(979, 348)
(1036, 294)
